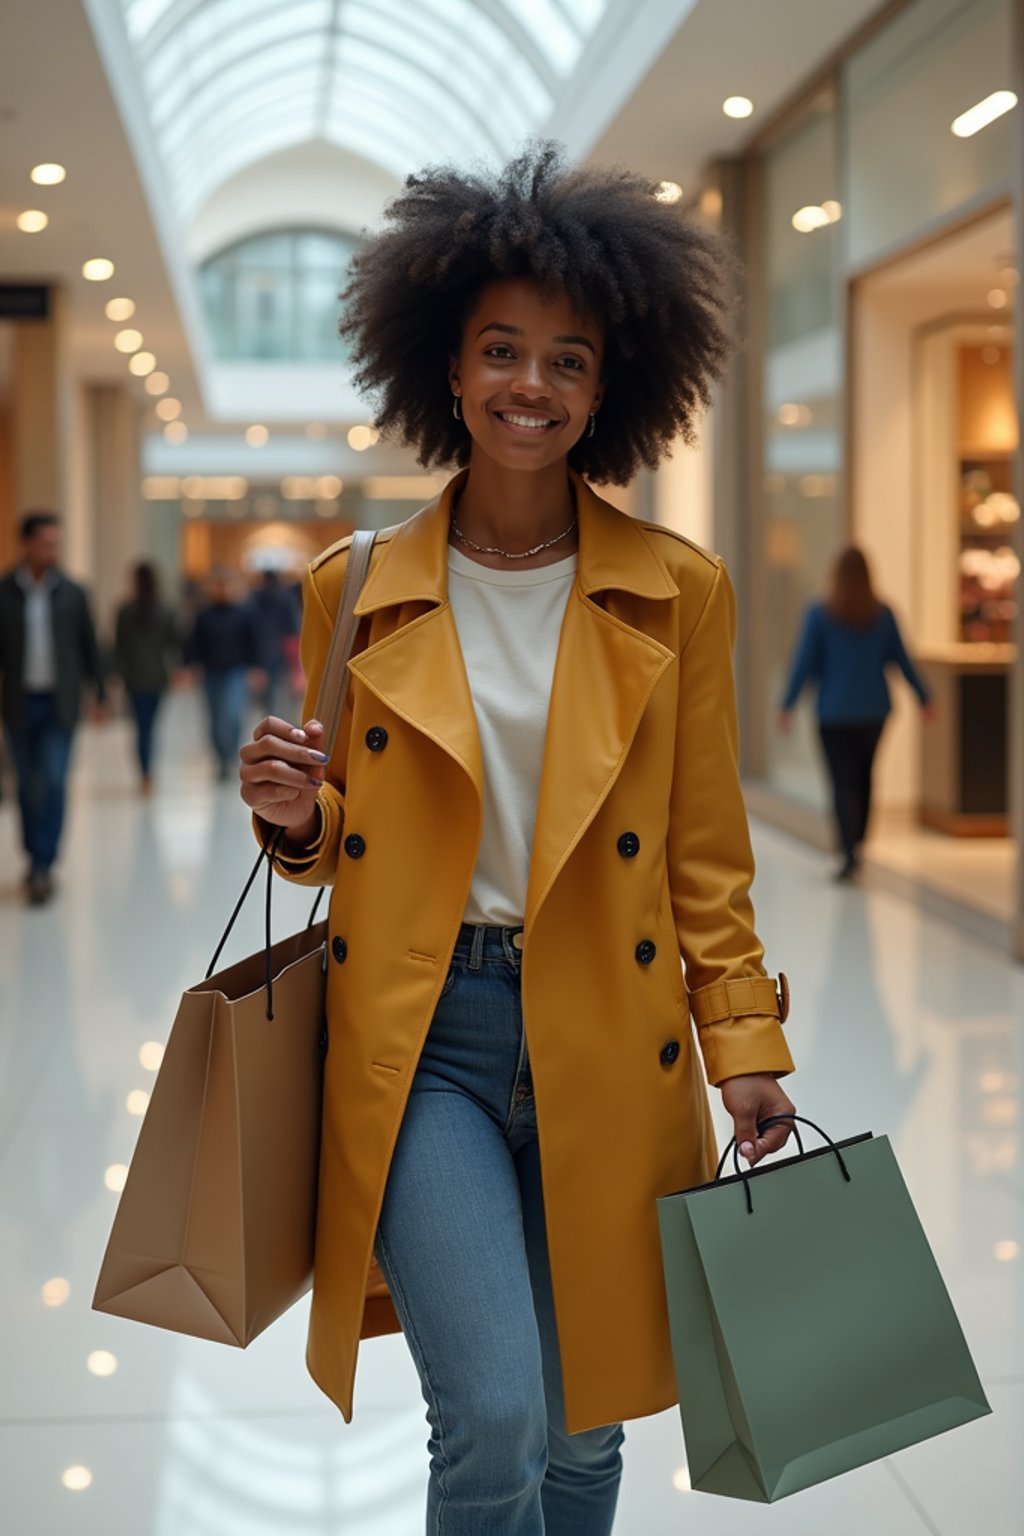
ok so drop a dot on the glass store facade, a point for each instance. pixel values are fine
(881, 227)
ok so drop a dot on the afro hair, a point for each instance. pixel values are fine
(659, 285)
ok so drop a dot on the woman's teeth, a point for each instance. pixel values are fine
(524, 421)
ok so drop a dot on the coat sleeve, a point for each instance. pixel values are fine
(317, 862)
(88, 646)
(738, 1010)
(807, 659)
(896, 652)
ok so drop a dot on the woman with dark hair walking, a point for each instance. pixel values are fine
(846, 644)
(531, 812)
(146, 643)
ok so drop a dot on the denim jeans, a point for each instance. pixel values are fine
(144, 708)
(226, 693)
(462, 1244)
(41, 752)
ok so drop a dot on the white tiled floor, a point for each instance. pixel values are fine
(900, 1025)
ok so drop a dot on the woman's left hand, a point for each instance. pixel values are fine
(757, 1096)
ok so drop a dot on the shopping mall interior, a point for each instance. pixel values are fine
(183, 184)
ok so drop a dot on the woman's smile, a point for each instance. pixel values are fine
(526, 423)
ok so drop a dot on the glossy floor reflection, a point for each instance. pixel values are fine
(899, 1025)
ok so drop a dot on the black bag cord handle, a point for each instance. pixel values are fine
(329, 703)
(762, 1125)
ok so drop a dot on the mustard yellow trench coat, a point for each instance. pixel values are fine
(642, 739)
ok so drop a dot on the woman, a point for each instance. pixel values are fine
(531, 811)
(145, 642)
(845, 646)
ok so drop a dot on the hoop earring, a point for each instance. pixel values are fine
(456, 412)
(593, 424)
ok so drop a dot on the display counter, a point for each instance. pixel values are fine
(964, 780)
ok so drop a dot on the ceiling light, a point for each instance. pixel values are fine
(793, 415)
(175, 433)
(997, 299)
(98, 270)
(128, 341)
(151, 1055)
(77, 1479)
(48, 175)
(256, 436)
(832, 210)
(328, 487)
(56, 1292)
(813, 217)
(1006, 1251)
(157, 384)
(668, 191)
(137, 1102)
(681, 1480)
(116, 1177)
(32, 221)
(362, 437)
(142, 364)
(737, 106)
(119, 309)
(101, 1362)
(983, 113)
(168, 409)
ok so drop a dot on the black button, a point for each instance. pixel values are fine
(646, 951)
(376, 738)
(339, 949)
(629, 845)
(355, 847)
(669, 1053)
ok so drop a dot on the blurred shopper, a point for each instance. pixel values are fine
(47, 650)
(846, 644)
(277, 623)
(225, 645)
(146, 644)
(532, 810)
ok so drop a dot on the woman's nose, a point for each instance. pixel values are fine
(531, 378)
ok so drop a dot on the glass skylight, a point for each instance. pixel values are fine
(396, 81)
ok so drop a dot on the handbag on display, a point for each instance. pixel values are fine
(811, 1328)
(214, 1231)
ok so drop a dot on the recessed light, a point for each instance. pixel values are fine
(668, 191)
(115, 1177)
(982, 113)
(737, 106)
(168, 409)
(98, 269)
(175, 432)
(151, 1055)
(137, 1102)
(808, 219)
(77, 1479)
(157, 384)
(101, 1362)
(119, 309)
(256, 436)
(128, 340)
(49, 175)
(56, 1292)
(997, 299)
(362, 437)
(832, 210)
(142, 364)
(32, 221)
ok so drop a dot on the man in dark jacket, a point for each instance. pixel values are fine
(225, 644)
(47, 650)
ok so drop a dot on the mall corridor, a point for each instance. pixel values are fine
(900, 1026)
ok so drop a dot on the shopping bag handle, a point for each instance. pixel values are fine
(762, 1126)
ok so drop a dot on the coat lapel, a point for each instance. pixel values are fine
(417, 668)
(605, 673)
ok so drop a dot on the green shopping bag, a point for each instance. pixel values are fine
(847, 1350)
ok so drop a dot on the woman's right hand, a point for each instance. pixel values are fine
(281, 772)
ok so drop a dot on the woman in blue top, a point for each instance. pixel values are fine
(846, 645)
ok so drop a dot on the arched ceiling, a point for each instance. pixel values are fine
(397, 82)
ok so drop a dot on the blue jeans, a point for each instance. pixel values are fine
(226, 693)
(41, 752)
(463, 1247)
(144, 708)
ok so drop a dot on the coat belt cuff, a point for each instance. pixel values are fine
(741, 996)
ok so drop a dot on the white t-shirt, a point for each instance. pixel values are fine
(509, 623)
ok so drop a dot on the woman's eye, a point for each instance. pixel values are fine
(571, 362)
(499, 350)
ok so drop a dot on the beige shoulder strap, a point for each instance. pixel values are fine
(331, 697)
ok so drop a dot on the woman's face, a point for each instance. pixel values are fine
(528, 373)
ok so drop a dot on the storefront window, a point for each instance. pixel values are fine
(802, 414)
(906, 167)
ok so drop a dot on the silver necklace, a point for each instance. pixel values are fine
(506, 554)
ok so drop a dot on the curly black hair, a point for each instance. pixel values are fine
(658, 284)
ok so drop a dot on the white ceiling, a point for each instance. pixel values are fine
(58, 103)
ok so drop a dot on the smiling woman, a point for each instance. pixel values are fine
(530, 813)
